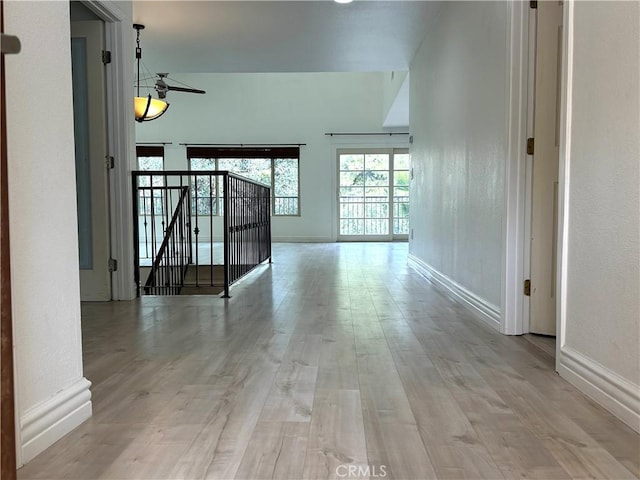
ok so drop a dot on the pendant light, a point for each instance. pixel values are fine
(145, 108)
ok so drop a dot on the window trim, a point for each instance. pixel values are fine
(392, 152)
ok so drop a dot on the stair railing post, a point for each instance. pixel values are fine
(226, 234)
(136, 234)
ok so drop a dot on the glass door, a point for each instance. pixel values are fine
(401, 180)
(373, 194)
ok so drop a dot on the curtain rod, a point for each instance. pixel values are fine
(244, 144)
(154, 143)
(331, 134)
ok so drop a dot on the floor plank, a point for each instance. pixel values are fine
(336, 356)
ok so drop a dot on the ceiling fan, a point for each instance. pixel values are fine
(149, 108)
(162, 87)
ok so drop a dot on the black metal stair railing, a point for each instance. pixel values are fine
(198, 229)
(247, 227)
(172, 260)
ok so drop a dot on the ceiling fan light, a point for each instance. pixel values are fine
(148, 108)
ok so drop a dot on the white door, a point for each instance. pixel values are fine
(544, 204)
(87, 43)
(373, 194)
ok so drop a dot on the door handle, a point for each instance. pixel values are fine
(9, 44)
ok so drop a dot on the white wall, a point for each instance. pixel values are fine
(458, 121)
(601, 304)
(52, 395)
(278, 108)
(395, 100)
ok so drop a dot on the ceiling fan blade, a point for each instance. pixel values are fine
(182, 89)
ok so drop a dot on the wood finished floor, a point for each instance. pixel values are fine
(335, 355)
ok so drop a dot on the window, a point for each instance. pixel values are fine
(204, 190)
(277, 167)
(150, 158)
(401, 180)
(373, 198)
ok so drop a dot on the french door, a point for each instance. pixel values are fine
(373, 194)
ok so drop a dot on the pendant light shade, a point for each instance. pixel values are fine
(148, 108)
(145, 108)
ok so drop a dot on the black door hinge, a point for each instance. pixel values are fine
(113, 265)
(106, 57)
(109, 162)
(527, 287)
(530, 144)
(533, 3)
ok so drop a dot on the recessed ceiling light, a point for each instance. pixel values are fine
(343, 1)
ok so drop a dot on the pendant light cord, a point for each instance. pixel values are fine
(138, 57)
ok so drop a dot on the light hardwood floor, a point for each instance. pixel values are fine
(335, 355)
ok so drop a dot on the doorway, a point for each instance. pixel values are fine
(373, 194)
(92, 173)
(543, 198)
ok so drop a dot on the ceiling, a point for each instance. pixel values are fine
(283, 36)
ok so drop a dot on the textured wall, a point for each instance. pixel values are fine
(458, 120)
(603, 272)
(42, 196)
(276, 108)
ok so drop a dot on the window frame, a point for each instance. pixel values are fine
(270, 153)
(391, 152)
(150, 151)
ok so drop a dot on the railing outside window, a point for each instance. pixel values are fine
(278, 167)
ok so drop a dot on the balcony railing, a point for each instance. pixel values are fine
(370, 215)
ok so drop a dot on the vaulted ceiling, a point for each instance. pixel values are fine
(283, 36)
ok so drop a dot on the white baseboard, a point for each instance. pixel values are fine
(485, 311)
(614, 393)
(302, 240)
(46, 423)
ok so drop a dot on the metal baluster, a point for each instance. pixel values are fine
(153, 220)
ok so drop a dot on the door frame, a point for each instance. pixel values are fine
(514, 306)
(8, 419)
(516, 226)
(120, 141)
(535, 253)
(390, 237)
(95, 278)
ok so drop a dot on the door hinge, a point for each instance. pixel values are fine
(530, 143)
(106, 56)
(109, 162)
(533, 3)
(527, 287)
(113, 265)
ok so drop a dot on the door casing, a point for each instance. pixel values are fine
(543, 204)
(95, 278)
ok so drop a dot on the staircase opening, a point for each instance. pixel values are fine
(182, 245)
